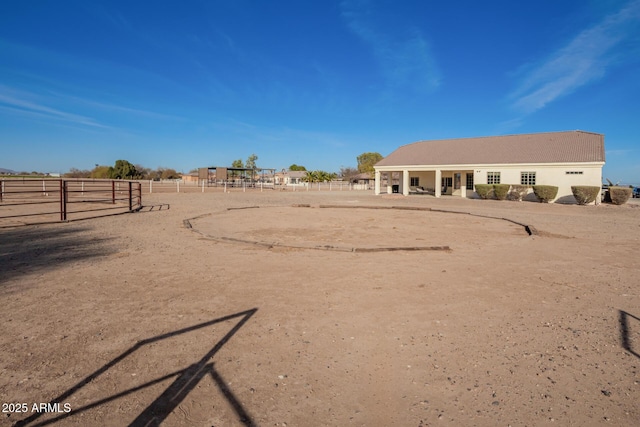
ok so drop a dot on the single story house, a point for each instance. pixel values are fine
(290, 177)
(454, 166)
(362, 178)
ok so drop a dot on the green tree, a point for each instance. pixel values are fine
(251, 164)
(123, 170)
(295, 167)
(367, 160)
(319, 176)
(237, 164)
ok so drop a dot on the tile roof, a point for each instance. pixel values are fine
(549, 147)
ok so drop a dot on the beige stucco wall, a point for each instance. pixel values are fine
(546, 175)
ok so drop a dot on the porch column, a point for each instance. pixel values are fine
(463, 184)
(405, 182)
(438, 183)
(377, 183)
(389, 182)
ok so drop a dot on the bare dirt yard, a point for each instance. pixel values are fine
(311, 308)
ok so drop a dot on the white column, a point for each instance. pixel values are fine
(405, 182)
(438, 183)
(463, 184)
(377, 184)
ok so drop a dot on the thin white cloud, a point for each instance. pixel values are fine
(583, 60)
(405, 59)
(19, 102)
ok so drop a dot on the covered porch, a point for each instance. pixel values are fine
(434, 181)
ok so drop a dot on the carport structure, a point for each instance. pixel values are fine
(214, 176)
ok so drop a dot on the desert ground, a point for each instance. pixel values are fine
(281, 308)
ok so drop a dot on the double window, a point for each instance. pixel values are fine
(493, 177)
(415, 181)
(528, 178)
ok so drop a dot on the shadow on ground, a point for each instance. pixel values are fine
(185, 381)
(39, 249)
(626, 320)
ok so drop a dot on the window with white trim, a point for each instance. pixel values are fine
(415, 181)
(493, 177)
(528, 178)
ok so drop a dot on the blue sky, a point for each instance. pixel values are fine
(185, 84)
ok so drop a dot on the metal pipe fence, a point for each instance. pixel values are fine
(31, 201)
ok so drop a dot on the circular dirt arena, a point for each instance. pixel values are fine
(196, 316)
(350, 228)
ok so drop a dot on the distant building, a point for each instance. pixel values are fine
(454, 166)
(290, 177)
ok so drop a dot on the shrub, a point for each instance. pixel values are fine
(619, 195)
(484, 190)
(545, 193)
(501, 191)
(518, 192)
(585, 194)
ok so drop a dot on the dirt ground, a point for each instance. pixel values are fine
(250, 308)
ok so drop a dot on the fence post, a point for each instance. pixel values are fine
(2, 190)
(130, 196)
(150, 186)
(113, 192)
(178, 185)
(63, 200)
(140, 195)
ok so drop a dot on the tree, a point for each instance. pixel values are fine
(123, 170)
(319, 176)
(251, 164)
(251, 161)
(169, 173)
(367, 160)
(295, 167)
(100, 172)
(143, 173)
(237, 164)
(348, 173)
(77, 173)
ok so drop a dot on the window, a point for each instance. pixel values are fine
(469, 181)
(573, 172)
(415, 181)
(447, 182)
(528, 178)
(493, 177)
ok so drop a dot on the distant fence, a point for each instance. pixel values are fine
(32, 201)
(178, 186)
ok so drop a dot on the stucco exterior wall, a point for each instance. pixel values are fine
(562, 176)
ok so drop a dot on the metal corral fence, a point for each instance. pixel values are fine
(178, 186)
(33, 201)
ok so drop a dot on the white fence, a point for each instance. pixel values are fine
(179, 186)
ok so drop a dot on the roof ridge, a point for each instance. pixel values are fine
(503, 136)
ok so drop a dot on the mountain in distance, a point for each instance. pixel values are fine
(4, 171)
